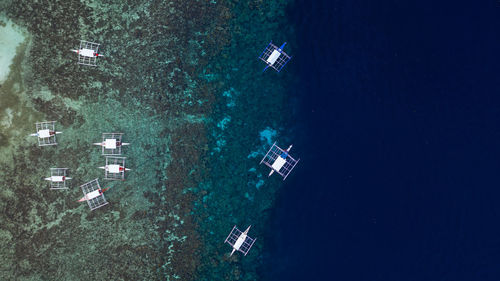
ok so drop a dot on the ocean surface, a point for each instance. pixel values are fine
(397, 126)
(392, 108)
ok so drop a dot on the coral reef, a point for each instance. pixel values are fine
(146, 86)
(175, 80)
(250, 110)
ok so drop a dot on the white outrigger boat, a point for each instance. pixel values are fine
(111, 143)
(274, 57)
(88, 53)
(115, 168)
(240, 241)
(58, 178)
(93, 194)
(46, 133)
(279, 160)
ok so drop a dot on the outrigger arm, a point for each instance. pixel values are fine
(104, 144)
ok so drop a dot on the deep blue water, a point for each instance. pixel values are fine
(398, 131)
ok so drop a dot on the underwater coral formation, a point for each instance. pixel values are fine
(162, 81)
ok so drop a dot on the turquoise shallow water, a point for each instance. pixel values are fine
(250, 114)
(182, 81)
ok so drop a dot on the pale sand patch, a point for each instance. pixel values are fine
(7, 120)
(11, 36)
